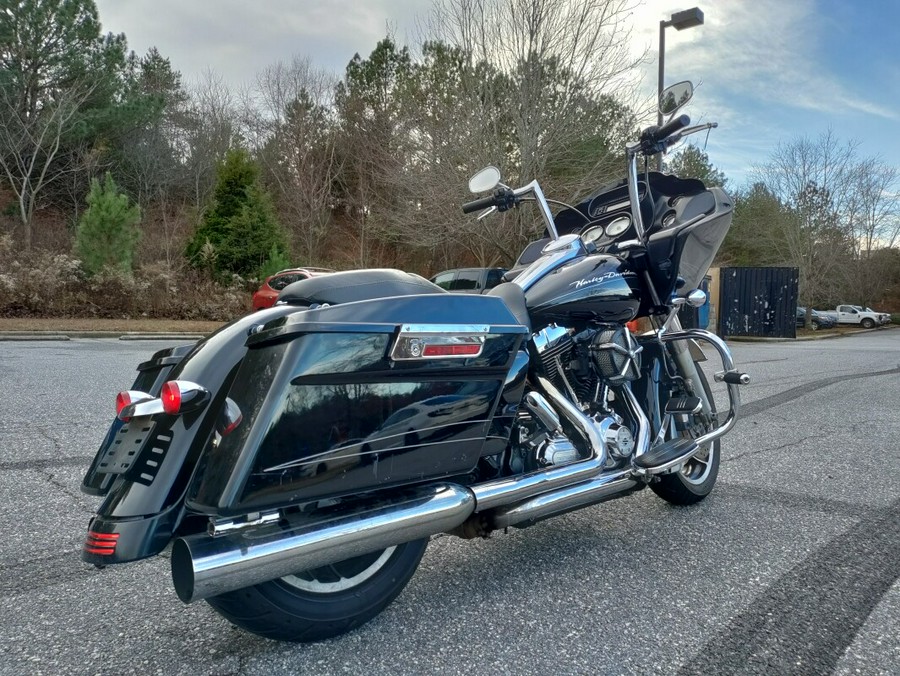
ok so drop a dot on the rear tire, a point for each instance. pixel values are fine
(325, 602)
(696, 479)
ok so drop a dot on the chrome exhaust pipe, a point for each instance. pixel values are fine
(598, 489)
(492, 494)
(204, 566)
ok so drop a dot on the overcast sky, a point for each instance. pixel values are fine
(769, 70)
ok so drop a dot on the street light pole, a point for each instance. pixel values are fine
(679, 20)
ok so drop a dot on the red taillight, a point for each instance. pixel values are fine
(632, 325)
(101, 543)
(122, 400)
(171, 397)
(451, 350)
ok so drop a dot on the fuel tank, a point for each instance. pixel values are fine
(595, 288)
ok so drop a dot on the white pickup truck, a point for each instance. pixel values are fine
(856, 314)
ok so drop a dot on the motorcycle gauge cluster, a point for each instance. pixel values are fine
(618, 226)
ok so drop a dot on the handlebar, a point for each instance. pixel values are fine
(653, 139)
(673, 125)
(503, 198)
(478, 205)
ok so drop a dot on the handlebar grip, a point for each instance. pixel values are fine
(673, 125)
(478, 205)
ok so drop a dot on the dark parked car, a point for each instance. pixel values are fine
(819, 321)
(267, 293)
(469, 280)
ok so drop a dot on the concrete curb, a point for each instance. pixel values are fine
(818, 336)
(114, 335)
(33, 336)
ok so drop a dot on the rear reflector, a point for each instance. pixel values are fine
(231, 417)
(103, 544)
(451, 350)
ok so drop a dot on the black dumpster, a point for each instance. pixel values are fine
(759, 302)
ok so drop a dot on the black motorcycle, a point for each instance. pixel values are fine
(298, 460)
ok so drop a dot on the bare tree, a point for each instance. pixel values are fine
(292, 126)
(877, 222)
(543, 90)
(816, 180)
(30, 141)
(209, 131)
(876, 225)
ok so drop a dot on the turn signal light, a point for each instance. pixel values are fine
(171, 397)
(182, 396)
(122, 400)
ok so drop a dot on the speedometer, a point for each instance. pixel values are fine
(592, 234)
(618, 226)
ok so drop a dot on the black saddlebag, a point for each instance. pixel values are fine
(360, 396)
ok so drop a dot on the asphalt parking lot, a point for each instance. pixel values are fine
(791, 566)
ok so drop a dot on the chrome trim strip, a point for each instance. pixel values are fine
(454, 329)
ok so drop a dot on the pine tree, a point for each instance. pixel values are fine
(107, 232)
(241, 226)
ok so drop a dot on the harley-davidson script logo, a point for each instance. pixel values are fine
(595, 280)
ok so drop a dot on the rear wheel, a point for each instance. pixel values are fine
(317, 604)
(695, 480)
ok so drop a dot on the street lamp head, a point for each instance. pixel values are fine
(686, 19)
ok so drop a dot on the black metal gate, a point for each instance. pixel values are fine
(758, 302)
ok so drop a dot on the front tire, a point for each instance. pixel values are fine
(318, 604)
(695, 480)
(868, 323)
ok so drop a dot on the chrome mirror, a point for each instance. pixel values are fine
(674, 97)
(486, 179)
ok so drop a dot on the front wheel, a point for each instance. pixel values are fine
(695, 480)
(868, 323)
(317, 604)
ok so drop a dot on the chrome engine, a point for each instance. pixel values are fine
(588, 367)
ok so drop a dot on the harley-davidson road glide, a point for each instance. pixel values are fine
(298, 460)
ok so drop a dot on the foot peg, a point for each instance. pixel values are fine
(664, 456)
(732, 377)
(684, 405)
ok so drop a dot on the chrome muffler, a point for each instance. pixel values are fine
(204, 566)
(563, 500)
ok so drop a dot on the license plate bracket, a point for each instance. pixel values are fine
(121, 454)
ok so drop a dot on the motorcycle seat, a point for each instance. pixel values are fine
(355, 285)
(514, 297)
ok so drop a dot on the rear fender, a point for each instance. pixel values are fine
(144, 503)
